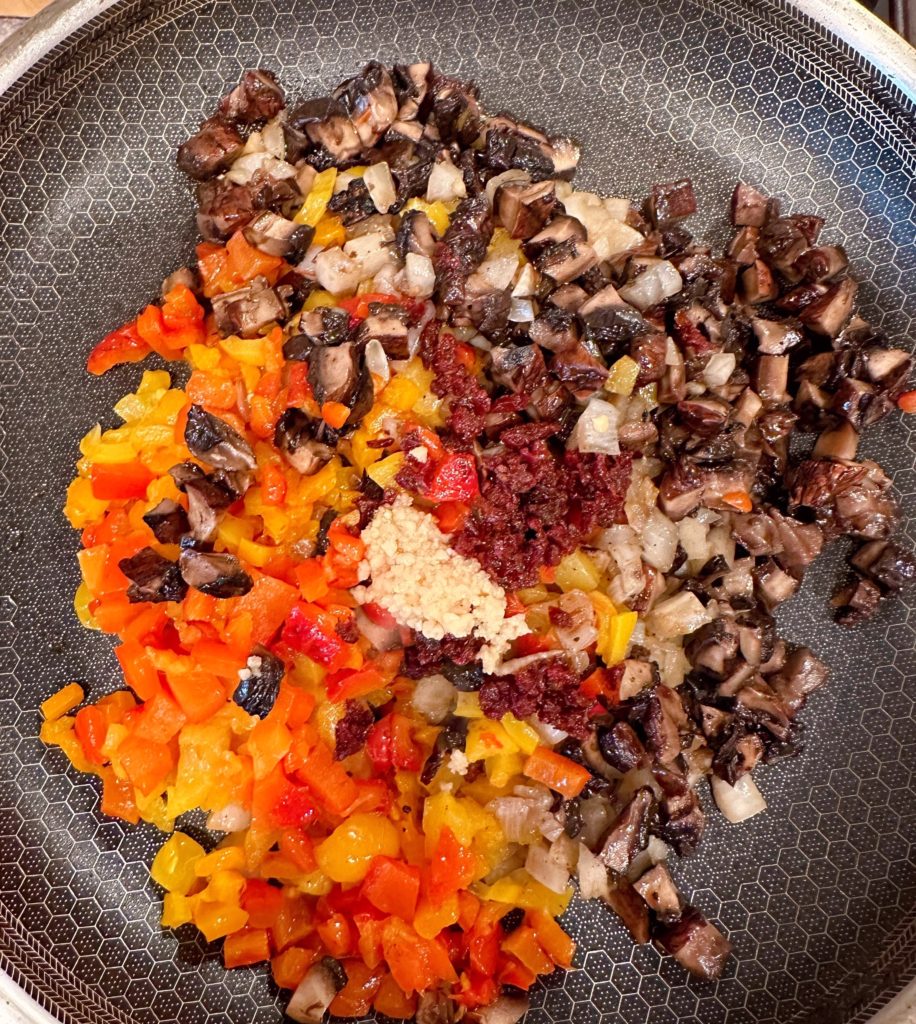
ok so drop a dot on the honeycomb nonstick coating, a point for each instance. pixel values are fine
(818, 893)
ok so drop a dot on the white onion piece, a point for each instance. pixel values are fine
(739, 802)
(508, 668)
(659, 540)
(679, 615)
(596, 818)
(550, 734)
(692, 534)
(592, 872)
(253, 144)
(313, 996)
(336, 271)
(370, 251)
(513, 174)
(719, 368)
(517, 817)
(659, 281)
(380, 186)
(376, 360)
(498, 271)
(596, 429)
(536, 794)
(722, 543)
(232, 818)
(615, 237)
(434, 697)
(482, 342)
(306, 266)
(273, 139)
(521, 311)
(582, 631)
(527, 283)
(670, 659)
(544, 869)
(446, 182)
(244, 169)
(382, 638)
(625, 549)
(418, 278)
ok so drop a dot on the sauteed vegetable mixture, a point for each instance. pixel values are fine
(447, 576)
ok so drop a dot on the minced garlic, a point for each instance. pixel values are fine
(417, 578)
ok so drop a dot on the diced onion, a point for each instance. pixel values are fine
(592, 872)
(596, 429)
(659, 540)
(692, 534)
(498, 271)
(543, 868)
(382, 638)
(527, 283)
(232, 818)
(418, 278)
(336, 271)
(719, 368)
(446, 182)
(434, 697)
(679, 615)
(273, 139)
(313, 996)
(659, 281)
(739, 802)
(244, 169)
(376, 360)
(371, 252)
(582, 631)
(380, 186)
(517, 817)
(521, 311)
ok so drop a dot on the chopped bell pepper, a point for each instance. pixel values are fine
(122, 345)
(557, 772)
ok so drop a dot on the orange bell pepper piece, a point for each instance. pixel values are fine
(555, 942)
(91, 727)
(118, 798)
(159, 719)
(392, 1001)
(145, 763)
(336, 934)
(246, 947)
(355, 998)
(139, 672)
(393, 887)
(199, 694)
(119, 481)
(123, 345)
(291, 966)
(557, 772)
(269, 603)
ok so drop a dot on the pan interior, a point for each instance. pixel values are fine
(819, 893)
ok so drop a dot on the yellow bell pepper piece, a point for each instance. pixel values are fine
(532, 595)
(256, 554)
(614, 640)
(176, 910)
(316, 202)
(383, 473)
(83, 508)
(487, 738)
(524, 736)
(437, 212)
(174, 864)
(622, 377)
(431, 918)
(519, 889)
(577, 572)
(315, 884)
(401, 393)
(81, 600)
(226, 858)
(345, 856)
(225, 887)
(468, 705)
(329, 231)
(217, 920)
(250, 351)
(66, 699)
(319, 298)
(232, 531)
(202, 357)
(503, 768)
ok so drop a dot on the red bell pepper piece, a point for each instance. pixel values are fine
(452, 867)
(91, 726)
(263, 902)
(454, 479)
(310, 630)
(123, 345)
(119, 481)
(348, 684)
(389, 744)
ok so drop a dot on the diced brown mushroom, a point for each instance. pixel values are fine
(841, 442)
(387, 323)
(520, 368)
(210, 150)
(555, 330)
(258, 97)
(681, 489)
(757, 283)
(523, 209)
(630, 831)
(566, 260)
(696, 944)
(853, 400)
(856, 603)
(743, 247)
(657, 888)
(277, 236)
(168, 521)
(334, 372)
(887, 368)
(828, 314)
(247, 311)
(152, 577)
(416, 234)
(580, 371)
(772, 584)
(507, 1009)
(802, 674)
(324, 123)
(305, 442)
(512, 144)
(213, 441)
(621, 747)
(206, 500)
(886, 564)
(670, 202)
(630, 907)
(649, 351)
(219, 575)
(822, 263)
(411, 84)
(705, 417)
(370, 101)
(800, 297)
(748, 207)
(775, 337)
(608, 319)
(568, 297)
(772, 379)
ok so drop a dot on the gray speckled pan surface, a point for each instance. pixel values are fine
(819, 893)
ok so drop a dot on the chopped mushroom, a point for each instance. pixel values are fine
(277, 236)
(334, 373)
(657, 888)
(258, 97)
(152, 577)
(299, 437)
(168, 521)
(247, 311)
(695, 944)
(629, 832)
(523, 209)
(213, 441)
(210, 151)
(219, 575)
